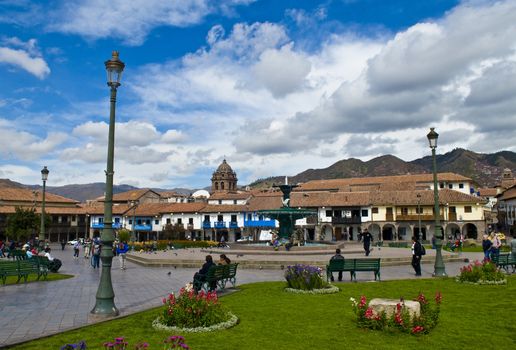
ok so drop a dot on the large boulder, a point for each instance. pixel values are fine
(389, 306)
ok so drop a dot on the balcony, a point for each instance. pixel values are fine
(260, 223)
(100, 225)
(219, 224)
(233, 224)
(189, 227)
(335, 220)
(206, 224)
(143, 227)
(415, 217)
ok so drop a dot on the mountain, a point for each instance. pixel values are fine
(485, 169)
(84, 192)
(9, 183)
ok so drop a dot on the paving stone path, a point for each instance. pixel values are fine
(33, 310)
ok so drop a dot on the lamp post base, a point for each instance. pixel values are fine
(439, 270)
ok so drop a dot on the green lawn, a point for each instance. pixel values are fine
(34, 278)
(472, 317)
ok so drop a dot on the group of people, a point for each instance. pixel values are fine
(200, 276)
(93, 247)
(491, 246)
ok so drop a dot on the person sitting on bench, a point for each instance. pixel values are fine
(200, 276)
(337, 256)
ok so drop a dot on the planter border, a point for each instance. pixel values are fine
(233, 320)
(330, 290)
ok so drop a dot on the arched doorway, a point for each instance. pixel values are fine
(327, 233)
(388, 232)
(470, 231)
(452, 231)
(404, 232)
(375, 230)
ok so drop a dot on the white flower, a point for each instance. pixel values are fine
(189, 287)
(353, 301)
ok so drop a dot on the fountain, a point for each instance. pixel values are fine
(286, 215)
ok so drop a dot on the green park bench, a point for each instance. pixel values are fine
(353, 265)
(504, 261)
(218, 276)
(42, 264)
(18, 268)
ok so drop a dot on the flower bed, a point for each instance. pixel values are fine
(306, 278)
(400, 320)
(481, 273)
(331, 289)
(193, 312)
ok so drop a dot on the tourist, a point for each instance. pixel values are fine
(76, 247)
(367, 238)
(224, 260)
(87, 248)
(417, 252)
(96, 254)
(55, 264)
(513, 247)
(200, 276)
(337, 256)
(486, 246)
(495, 248)
(63, 244)
(121, 251)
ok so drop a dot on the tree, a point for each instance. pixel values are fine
(174, 232)
(124, 235)
(23, 223)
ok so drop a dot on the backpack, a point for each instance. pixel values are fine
(423, 250)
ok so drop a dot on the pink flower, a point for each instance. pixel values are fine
(369, 313)
(417, 329)
(363, 301)
(438, 298)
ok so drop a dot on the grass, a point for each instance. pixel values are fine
(34, 278)
(273, 319)
(478, 249)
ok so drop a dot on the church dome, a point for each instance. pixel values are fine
(224, 167)
(224, 178)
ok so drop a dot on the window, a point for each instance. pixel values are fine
(337, 213)
(234, 201)
(64, 219)
(467, 209)
(441, 185)
(328, 213)
(222, 185)
(450, 186)
(220, 201)
(156, 222)
(117, 220)
(374, 210)
(190, 221)
(249, 217)
(179, 221)
(130, 221)
(207, 218)
(139, 222)
(101, 220)
(220, 217)
(461, 186)
(404, 211)
(147, 222)
(216, 186)
(74, 218)
(233, 218)
(419, 210)
(168, 220)
(365, 212)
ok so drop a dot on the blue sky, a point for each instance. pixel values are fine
(276, 87)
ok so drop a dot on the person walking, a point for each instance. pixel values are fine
(367, 238)
(486, 246)
(63, 244)
(417, 252)
(121, 250)
(337, 256)
(87, 248)
(76, 248)
(96, 254)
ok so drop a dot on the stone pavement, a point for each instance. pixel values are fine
(34, 310)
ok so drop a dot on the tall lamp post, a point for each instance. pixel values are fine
(439, 270)
(418, 215)
(44, 177)
(134, 204)
(105, 298)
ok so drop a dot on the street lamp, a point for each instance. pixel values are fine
(439, 270)
(134, 204)
(418, 215)
(105, 298)
(44, 177)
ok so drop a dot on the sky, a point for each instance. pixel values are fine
(273, 86)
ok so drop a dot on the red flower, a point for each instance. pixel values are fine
(369, 313)
(362, 301)
(438, 298)
(417, 329)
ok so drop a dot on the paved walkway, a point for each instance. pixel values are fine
(33, 310)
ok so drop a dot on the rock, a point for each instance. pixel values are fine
(389, 306)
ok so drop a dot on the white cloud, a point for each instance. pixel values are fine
(17, 144)
(132, 21)
(24, 55)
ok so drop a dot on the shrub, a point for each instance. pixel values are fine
(164, 244)
(481, 272)
(191, 310)
(305, 277)
(401, 319)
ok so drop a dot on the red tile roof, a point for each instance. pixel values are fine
(26, 195)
